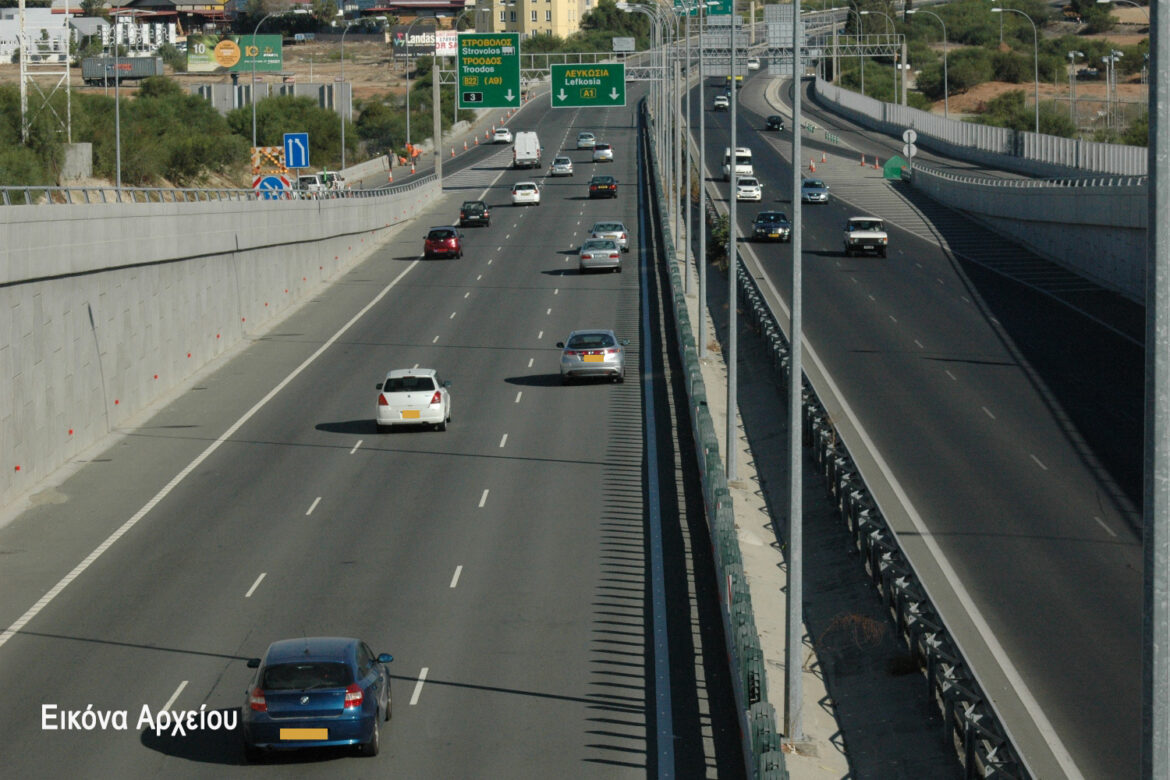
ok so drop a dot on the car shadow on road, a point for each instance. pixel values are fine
(348, 426)
(535, 380)
(224, 746)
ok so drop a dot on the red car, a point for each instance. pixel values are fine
(443, 242)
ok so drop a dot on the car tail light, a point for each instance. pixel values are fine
(614, 257)
(353, 695)
(437, 398)
(570, 353)
(623, 236)
(256, 700)
(611, 351)
(382, 400)
(462, 214)
(451, 241)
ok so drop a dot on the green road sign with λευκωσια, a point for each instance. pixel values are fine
(585, 86)
(489, 70)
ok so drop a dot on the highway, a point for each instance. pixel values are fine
(1011, 423)
(504, 563)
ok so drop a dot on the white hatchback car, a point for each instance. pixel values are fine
(749, 188)
(602, 153)
(524, 192)
(413, 396)
(502, 135)
(753, 63)
(586, 140)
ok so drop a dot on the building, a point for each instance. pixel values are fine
(47, 30)
(531, 17)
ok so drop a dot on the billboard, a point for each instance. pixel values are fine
(422, 41)
(623, 44)
(212, 53)
(446, 43)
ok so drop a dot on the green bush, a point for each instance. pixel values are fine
(172, 56)
(282, 114)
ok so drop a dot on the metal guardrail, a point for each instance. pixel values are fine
(970, 720)
(46, 195)
(1088, 181)
(763, 757)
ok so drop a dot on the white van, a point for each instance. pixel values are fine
(526, 150)
(743, 162)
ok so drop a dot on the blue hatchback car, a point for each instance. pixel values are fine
(316, 692)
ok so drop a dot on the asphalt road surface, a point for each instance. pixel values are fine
(1011, 422)
(505, 563)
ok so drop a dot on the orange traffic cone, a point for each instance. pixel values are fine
(863, 161)
(477, 140)
(452, 151)
(390, 176)
(812, 166)
(875, 164)
(824, 159)
(465, 146)
(412, 169)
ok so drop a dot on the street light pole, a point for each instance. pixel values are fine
(1035, 55)
(946, 83)
(895, 28)
(255, 32)
(732, 265)
(347, 100)
(702, 191)
(861, 46)
(1072, 86)
(408, 62)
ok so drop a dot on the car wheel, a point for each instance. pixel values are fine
(882, 252)
(618, 269)
(460, 255)
(370, 749)
(441, 426)
(378, 427)
(253, 754)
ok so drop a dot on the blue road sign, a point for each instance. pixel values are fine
(272, 187)
(296, 150)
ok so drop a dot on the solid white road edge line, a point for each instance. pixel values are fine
(255, 585)
(422, 676)
(355, 447)
(63, 583)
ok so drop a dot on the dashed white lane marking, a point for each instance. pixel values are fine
(851, 278)
(313, 506)
(416, 364)
(480, 276)
(468, 293)
(1101, 523)
(503, 440)
(167, 707)
(916, 341)
(422, 676)
(519, 393)
(435, 340)
(952, 376)
(483, 498)
(509, 235)
(452, 316)
(1038, 461)
(530, 362)
(540, 335)
(455, 579)
(549, 311)
(940, 281)
(255, 585)
(501, 249)
(917, 264)
(489, 262)
(868, 296)
(892, 317)
(355, 447)
(557, 290)
(987, 412)
(964, 298)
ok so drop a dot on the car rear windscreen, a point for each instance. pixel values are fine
(591, 341)
(436, 234)
(409, 384)
(304, 675)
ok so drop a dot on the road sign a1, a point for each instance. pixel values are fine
(489, 70)
(584, 86)
(271, 186)
(296, 150)
(910, 136)
(909, 150)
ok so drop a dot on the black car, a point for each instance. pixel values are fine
(603, 187)
(771, 226)
(774, 123)
(474, 212)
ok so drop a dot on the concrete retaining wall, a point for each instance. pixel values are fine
(106, 309)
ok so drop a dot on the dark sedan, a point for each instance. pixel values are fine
(771, 226)
(774, 122)
(316, 692)
(474, 212)
(603, 187)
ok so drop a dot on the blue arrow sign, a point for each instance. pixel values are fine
(271, 187)
(296, 150)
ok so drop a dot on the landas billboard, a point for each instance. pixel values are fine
(228, 53)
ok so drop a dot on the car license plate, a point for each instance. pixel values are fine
(867, 246)
(773, 235)
(410, 414)
(593, 359)
(295, 734)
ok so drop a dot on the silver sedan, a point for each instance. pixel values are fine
(612, 229)
(561, 166)
(601, 253)
(593, 353)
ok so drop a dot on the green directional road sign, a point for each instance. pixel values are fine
(489, 70)
(583, 86)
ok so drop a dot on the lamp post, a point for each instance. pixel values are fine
(1141, 8)
(347, 101)
(1035, 55)
(861, 57)
(255, 32)
(455, 27)
(891, 23)
(408, 61)
(946, 83)
(1072, 86)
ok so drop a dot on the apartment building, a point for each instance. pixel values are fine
(531, 17)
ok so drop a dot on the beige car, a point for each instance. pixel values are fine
(865, 234)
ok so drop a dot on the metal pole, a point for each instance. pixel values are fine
(1156, 531)
(793, 695)
(118, 115)
(732, 263)
(345, 102)
(255, 32)
(436, 111)
(676, 154)
(702, 193)
(687, 161)
(408, 62)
